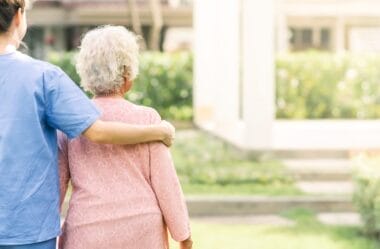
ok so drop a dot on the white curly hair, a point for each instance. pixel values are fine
(107, 55)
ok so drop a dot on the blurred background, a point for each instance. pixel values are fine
(277, 105)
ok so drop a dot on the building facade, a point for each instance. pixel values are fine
(331, 25)
(59, 24)
(234, 86)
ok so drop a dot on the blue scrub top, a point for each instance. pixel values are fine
(36, 99)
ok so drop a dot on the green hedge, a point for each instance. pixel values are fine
(164, 82)
(315, 85)
(310, 85)
(367, 193)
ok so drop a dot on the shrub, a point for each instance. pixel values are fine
(310, 85)
(164, 82)
(367, 193)
(66, 61)
(316, 85)
(205, 160)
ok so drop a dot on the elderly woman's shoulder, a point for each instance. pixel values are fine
(149, 112)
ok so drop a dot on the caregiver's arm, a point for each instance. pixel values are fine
(69, 110)
(120, 133)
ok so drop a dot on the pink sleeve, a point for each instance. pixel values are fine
(63, 161)
(168, 189)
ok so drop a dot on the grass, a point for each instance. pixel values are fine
(307, 233)
(207, 165)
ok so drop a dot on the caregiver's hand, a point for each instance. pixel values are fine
(170, 133)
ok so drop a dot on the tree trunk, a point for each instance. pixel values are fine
(136, 23)
(155, 33)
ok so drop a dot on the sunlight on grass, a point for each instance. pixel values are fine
(304, 235)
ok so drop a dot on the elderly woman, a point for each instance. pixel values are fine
(124, 197)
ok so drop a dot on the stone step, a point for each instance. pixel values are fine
(227, 206)
(330, 219)
(257, 220)
(321, 176)
(312, 154)
(201, 206)
(326, 187)
(320, 169)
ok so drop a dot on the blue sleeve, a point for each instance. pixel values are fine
(67, 108)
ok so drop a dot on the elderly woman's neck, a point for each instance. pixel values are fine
(110, 95)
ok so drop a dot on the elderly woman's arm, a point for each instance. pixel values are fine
(168, 191)
(64, 171)
(120, 133)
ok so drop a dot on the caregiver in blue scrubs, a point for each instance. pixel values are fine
(36, 100)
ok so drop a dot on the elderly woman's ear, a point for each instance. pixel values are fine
(127, 79)
(127, 85)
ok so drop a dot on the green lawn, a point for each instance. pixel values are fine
(207, 165)
(306, 234)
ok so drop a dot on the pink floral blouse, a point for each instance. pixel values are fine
(124, 197)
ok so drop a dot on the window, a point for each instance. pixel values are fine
(325, 38)
(304, 38)
(301, 38)
(307, 38)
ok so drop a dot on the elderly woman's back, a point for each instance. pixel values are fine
(122, 195)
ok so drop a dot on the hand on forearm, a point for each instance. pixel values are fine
(123, 134)
(169, 133)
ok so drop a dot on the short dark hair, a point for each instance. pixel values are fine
(8, 9)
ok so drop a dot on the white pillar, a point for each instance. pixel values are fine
(216, 68)
(258, 75)
(235, 44)
(205, 64)
(227, 59)
(282, 28)
(340, 35)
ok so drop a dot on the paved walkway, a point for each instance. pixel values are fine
(330, 187)
(334, 219)
(322, 176)
(344, 219)
(337, 135)
(268, 220)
